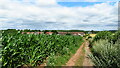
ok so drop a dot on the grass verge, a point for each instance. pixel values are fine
(79, 62)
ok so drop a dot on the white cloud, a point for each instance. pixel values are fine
(45, 2)
(35, 14)
(87, 0)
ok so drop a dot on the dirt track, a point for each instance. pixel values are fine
(75, 57)
(86, 61)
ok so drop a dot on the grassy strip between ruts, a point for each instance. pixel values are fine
(80, 60)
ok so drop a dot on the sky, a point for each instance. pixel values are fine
(88, 0)
(59, 14)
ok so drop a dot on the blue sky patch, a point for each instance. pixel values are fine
(82, 4)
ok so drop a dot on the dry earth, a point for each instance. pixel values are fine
(87, 62)
(72, 61)
(75, 57)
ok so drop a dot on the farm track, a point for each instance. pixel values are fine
(75, 57)
(86, 61)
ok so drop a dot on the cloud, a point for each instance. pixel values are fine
(87, 0)
(47, 14)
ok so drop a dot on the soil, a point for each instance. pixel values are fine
(86, 61)
(75, 57)
(72, 61)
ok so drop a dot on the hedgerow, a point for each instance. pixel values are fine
(106, 55)
(102, 35)
(105, 50)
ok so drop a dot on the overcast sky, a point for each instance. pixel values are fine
(58, 15)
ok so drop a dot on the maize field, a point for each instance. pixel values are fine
(30, 49)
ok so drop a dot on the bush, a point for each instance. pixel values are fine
(106, 55)
(102, 35)
(115, 37)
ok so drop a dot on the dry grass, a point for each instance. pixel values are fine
(92, 35)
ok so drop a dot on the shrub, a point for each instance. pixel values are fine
(102, 35)
(106, 55)
(115, 37)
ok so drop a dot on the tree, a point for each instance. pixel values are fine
(54, 31)
(92, 31)
(45, 31)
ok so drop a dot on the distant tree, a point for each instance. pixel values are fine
(26, 30)
(45, 31)
(54, 31)
(68, 34)
(39, 30)
(92, 31)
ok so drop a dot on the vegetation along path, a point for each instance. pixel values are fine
(82, 55)
(87, 62)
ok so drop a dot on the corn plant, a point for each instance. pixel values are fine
(30, 49)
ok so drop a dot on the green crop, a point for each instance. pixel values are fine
(30, 49)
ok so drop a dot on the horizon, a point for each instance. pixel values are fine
(63, 30)
(59, 15)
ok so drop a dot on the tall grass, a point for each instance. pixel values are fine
(106, 54)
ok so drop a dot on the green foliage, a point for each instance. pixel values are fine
(106, 54)
(31, 49)
(115, 36)
(59, 60)
(111, 37)
(70, 30)
(46, 31)
(106, 49)
(54, 31)
(102, 35)
(10, 31)
(28, 30)
(68, 34)
(89, 37)
(86, 35)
